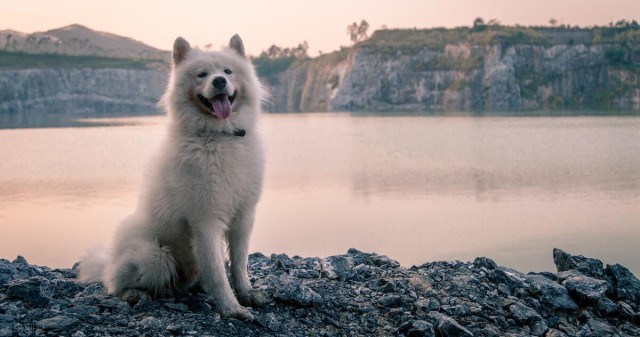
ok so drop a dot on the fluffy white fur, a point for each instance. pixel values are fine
(202, 190)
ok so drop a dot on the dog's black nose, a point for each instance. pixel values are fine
(219, 82)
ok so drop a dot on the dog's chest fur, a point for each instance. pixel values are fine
(212, 177)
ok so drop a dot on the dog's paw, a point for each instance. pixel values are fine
(133, 296)
(252, 298)
(238, 312)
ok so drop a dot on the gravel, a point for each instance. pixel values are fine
(354, 294)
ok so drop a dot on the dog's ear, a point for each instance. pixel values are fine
(236, 44)
(180, 49)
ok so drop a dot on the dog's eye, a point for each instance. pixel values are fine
(228, 71)
(202, 74)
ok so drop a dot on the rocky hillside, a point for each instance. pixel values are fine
(82, 90)
(356, 294)
(493, 69)
(78, 40)
(78, 70)
(496, 68)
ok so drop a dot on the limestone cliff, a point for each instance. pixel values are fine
(508, 70)
(50, 90)
(494, 69)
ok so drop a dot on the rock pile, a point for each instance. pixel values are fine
(356, 294)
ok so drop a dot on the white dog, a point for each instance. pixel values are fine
(202, 189)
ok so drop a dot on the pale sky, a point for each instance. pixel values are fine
(321, 23)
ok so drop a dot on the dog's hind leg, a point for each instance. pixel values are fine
(238, 242)
(209, 253)
(142, 265)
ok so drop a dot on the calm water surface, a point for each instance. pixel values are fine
(415, 188)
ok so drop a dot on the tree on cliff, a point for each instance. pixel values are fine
(274, 51)
(478, 24)
(276, 59)
(358, 32)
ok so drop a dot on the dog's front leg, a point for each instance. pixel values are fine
(238, 240)
(209, 252)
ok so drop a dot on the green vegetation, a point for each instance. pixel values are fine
(554, 102)
(615, 55)
(445, 62)
(407, 40)
(392, 40)
(269, 68)
(457, 84)
(334, 81)
(15, 60)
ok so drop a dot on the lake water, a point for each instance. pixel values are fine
(415, 188)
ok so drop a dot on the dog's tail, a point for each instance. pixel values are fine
(92, 265)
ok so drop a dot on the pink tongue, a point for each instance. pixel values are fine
(221, 106)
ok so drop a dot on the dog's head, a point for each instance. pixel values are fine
(213, 90)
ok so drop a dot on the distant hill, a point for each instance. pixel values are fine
(78, 40)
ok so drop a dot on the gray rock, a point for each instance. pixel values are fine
(270, 321)
(66, 288)
(6, 331)
(151, 323)
(554, 333)
(20, 261)
(434, 299)
(391, 300)
(295, 292)
(381, 260)
(115, 304)
(60, 322)
(596, 328)
(23, 268)
(512, 279)
(82, 310)
(583, 289)
(449, 327)
(177, 307)
(4, 319)
(34, 290)
(428, 304)
(338, 267)
(524, 314)
(417, 328)
(485, 262)
(625, 285)
(585, 265)
(607, 307)
(538, 328)
(7, 270)
(551, 293)
(625, 311)
(174, 329)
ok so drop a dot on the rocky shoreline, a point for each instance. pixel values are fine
(355, 294)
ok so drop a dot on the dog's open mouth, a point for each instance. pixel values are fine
(219, 105)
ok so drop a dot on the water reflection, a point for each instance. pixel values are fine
(416, 188)
(67, 119)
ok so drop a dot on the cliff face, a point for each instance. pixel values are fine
(309, 86)
(465, 76)
(497, 69)
(80, 90)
